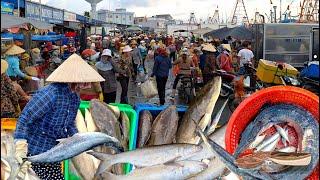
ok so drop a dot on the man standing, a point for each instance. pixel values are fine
(50, 115)
(136, 57)
(245, 56)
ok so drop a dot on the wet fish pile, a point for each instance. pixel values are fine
(276, 154)
(169, 148)
(9, 165)
(104, 119)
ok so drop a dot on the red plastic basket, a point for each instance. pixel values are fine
(250, 107)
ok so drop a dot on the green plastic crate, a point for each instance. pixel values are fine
(132, 115)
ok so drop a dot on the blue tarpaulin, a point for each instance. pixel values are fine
(33, 37)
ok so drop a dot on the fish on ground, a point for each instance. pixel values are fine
(147, 156)
(214, 170)
(202, 106)
(164, 127)
(75, 145)
(175, 171)
(144, 131)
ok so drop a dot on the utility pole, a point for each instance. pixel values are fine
(275, 14)
(280, 9)
(40, 10)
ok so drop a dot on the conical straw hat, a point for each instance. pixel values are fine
(4, 66)
(31, 71)
(75, 70)
(227, 47)
(209, 48)
(14, 50)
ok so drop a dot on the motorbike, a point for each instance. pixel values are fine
(187, 89)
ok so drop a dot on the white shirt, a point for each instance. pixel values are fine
(245, 56)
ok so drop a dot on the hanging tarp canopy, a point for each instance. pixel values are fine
(240, 32)
(134, 28)
(33, 37)
(9, 22)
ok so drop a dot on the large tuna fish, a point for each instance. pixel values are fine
(164, 127)
(200, 109)
(144, 132)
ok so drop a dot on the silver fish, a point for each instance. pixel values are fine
(147, 156)
(75, 145)
(202, 106)
(257, 141)
(216, 119)
(272, 146)
(288, 149)
(175, 171)
(214, 170)
(268, 141)
(282, 132)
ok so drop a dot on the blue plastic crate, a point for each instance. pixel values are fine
(154, 110)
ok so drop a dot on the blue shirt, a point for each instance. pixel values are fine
(49, 115)
(161, 67)
(14, 67)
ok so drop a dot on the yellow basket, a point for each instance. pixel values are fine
(268, 71)
(8, 123)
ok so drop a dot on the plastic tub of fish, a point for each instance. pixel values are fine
(132, 115)
(250, 108)
(154, 110)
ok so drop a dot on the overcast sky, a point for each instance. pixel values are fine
(179, 9)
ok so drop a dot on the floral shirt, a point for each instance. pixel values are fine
(9, 98)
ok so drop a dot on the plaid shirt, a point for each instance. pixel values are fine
(50, 115)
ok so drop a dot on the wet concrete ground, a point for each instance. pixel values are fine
(135, 95)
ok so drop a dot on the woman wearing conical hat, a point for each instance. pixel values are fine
(50, 115)
(12, 57)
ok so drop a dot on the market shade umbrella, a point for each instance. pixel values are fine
(134, 28)
(240, 32)
(88, 52)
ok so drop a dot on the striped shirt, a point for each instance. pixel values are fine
(49, 115)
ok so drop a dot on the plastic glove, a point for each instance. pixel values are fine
(23, 169)
(21, 147)
(101, 96)
(35, 78)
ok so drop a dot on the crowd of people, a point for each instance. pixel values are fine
(123, 59)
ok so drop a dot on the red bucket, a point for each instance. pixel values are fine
(250, 107)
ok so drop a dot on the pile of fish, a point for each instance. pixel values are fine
(9, 166)
(169, 148)
(294, 161)
(111, 122)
